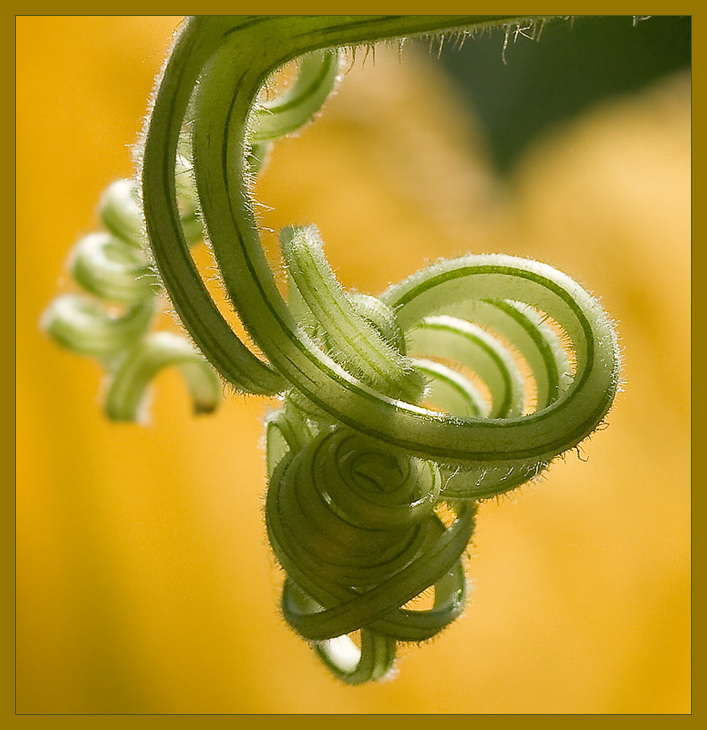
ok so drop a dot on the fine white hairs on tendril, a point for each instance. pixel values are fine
(398, 413)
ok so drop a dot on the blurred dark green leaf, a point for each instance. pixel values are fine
(521, 91)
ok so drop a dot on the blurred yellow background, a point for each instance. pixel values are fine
(144, 580)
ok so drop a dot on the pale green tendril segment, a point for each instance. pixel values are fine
(114, 318)
(398, 413)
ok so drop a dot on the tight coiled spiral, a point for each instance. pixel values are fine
(355, 520)
(434, 370)
(113, 318)
(356, 530)
(399, 413)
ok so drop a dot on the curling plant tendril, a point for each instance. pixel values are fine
(399, 413)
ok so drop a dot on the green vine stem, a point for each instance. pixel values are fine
(399, 413)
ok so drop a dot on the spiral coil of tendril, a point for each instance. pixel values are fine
(394, 408)
(356, 530)
(399, 413)
(353, 520)
(112, 319)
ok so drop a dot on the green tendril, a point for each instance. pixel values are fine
(114, 266)
(127, 392)
(111, 269)
(399, 413)
(289, 112)
(87, 327)
(113, 320)
(351, 340)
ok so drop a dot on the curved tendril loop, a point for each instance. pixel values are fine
(463, 381)
(355, 528)
(127, 392)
